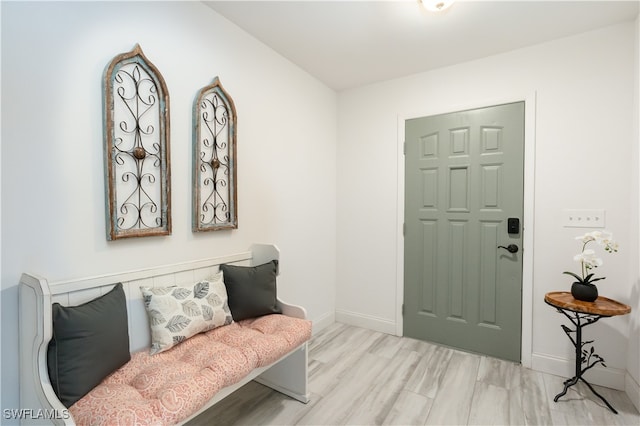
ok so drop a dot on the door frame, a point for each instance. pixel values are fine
(442, 107)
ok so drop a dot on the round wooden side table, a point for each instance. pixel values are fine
(582, 314)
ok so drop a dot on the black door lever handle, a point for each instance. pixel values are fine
(511, 248)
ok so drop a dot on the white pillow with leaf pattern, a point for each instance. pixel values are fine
(179, 312)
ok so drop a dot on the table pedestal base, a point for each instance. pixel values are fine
(574, 380)
(583, 356)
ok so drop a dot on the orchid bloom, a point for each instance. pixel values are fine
(587, 257)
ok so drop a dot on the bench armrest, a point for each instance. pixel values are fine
(292, 310)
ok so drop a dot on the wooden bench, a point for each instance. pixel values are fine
(288, 374)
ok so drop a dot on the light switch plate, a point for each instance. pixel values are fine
(583, 218)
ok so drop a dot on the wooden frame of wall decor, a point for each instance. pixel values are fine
(136, 143)
(214, 160)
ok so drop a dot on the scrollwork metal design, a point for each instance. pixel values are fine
(136, 140)
(214, 160)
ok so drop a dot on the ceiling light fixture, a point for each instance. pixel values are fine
(436, 5)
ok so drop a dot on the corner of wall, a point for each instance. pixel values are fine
(632, 379)
(632, 388)
(322, 322)
(371, 322)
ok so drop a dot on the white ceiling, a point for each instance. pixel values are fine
(346, 44)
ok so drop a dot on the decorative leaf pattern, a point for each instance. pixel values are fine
(177, 323)
(207, 312)
(155, 317)
(214, 300)
(201, 289)
(181, 293)
(191, 308)
(179, 312)
(147, 299)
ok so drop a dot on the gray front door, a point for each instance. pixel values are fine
(464, 181)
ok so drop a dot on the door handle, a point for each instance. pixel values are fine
(511, 248)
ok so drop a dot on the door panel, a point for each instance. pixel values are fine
(463, 180)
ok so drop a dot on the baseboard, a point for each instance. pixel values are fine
(632, 388)
(322, 322)
(609, 377)
(366, 321)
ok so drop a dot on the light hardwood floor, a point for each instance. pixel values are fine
(362, 377)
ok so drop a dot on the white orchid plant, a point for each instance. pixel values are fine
(587, 258)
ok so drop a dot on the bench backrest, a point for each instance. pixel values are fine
(72, 293)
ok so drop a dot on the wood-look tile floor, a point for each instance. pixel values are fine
(362, 377)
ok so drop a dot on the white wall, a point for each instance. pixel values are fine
(53, 57)
(584, 138)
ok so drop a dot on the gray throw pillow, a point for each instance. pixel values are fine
(251, 290)
(89, 342)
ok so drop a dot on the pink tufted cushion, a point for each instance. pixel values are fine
(168, 387)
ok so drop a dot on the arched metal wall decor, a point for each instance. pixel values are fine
(214, 160)
(136, 123)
